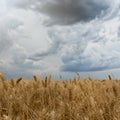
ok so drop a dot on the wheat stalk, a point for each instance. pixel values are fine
(18, 80)
(35, 78)
(110, 78)
(2, 77)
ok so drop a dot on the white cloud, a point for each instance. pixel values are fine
(21, 34)
(93, 46)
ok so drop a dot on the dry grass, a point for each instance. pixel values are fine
(45, 99)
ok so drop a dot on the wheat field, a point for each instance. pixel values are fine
(47, 99)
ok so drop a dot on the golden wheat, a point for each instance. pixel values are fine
(45, 99)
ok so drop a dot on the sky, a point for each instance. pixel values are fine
(60, 37)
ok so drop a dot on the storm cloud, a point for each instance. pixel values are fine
(66, 12)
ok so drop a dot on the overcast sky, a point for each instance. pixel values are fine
(60, 37)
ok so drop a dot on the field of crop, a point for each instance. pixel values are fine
(46, 99)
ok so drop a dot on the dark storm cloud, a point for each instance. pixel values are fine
(67, 12)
